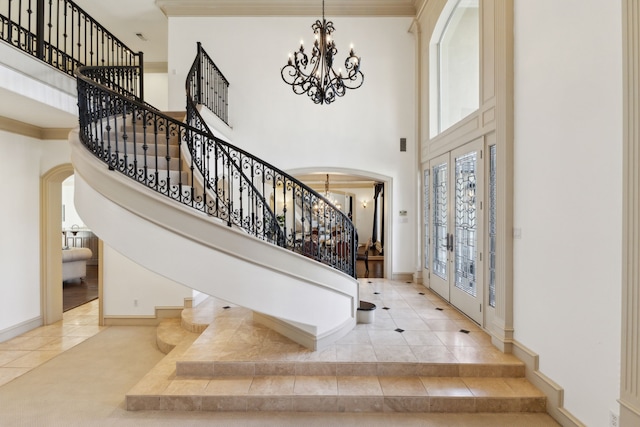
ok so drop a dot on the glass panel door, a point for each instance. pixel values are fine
(456, 184)
(466, 286)
(440, 238)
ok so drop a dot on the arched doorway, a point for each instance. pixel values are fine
(51, 242)
(306, 175)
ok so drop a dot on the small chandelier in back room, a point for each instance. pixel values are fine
(316, 76)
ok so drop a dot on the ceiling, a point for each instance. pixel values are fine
(126, 18)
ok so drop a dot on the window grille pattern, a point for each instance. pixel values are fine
(466, 224)
(440, 235)
(492, 225)
(426, 219)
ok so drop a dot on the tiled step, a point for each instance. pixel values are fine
(417, 356)
(216, 369)
(197, 319)
(337, 394)
(170, 333)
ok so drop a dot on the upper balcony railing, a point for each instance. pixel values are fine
(61, 34)
(209, 86)
(187, 163)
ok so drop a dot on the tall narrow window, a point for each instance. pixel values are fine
(492, 225)
(455, 65)
(440, 220)
(426, 219)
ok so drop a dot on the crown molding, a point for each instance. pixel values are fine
(389, 8)
(26, 129)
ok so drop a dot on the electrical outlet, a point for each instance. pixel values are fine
(613, 419)
(135, 302)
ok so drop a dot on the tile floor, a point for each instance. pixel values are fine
(431, 336)
(30, 350)
(418, 351)
(411, 325)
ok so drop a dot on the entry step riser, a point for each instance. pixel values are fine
(433, 404)
(210, 369)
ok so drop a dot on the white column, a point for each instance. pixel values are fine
(630, 362)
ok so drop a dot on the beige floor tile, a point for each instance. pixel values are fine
(179, 387)
(422, 337)
(7, 356)
(355, 353)
(228, 386)
(394, 353)
(316, 386)
(32, 359)
(455, 339)
(9, 374)
(489, 387)
(479, 354)
(273, 385)
(522, 387)
(25, 343)
(412, 324)
(433, 354)
(402, 386)
(443, 325)
(359, 386)
(63, 343)
(360, 336)
(386, 338)
(55, 330)
(446, 386)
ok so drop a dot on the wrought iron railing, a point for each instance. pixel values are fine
(187, 163)
(210, 87)
(61, 34)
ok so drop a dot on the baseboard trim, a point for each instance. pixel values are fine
(144, 320)
(554, 393)
(402, 277)
(20, 328)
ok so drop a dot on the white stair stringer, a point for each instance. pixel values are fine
(308, 302)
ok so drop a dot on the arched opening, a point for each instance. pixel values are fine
(51, 242)
(359, 187)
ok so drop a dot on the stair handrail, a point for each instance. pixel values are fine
(337, 248)
(63, 35)
(211, 176)
(211, 87)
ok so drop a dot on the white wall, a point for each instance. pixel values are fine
(359, 131)
(22, 159)
(20, 242)
(155, 91)
(130, 289)
(364, 216)
(70, 216)
(568, 202)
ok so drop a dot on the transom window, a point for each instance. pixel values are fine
(454, 65)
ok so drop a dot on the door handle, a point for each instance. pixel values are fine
(450, 242)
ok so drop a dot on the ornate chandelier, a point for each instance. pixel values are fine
(316, 76)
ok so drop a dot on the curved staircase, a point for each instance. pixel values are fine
(183, 203)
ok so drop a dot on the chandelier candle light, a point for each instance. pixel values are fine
(316, 76)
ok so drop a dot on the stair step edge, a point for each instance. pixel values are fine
(169, 334)
(217, 369)
(336, 403)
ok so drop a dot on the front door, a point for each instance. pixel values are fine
(455, 220)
